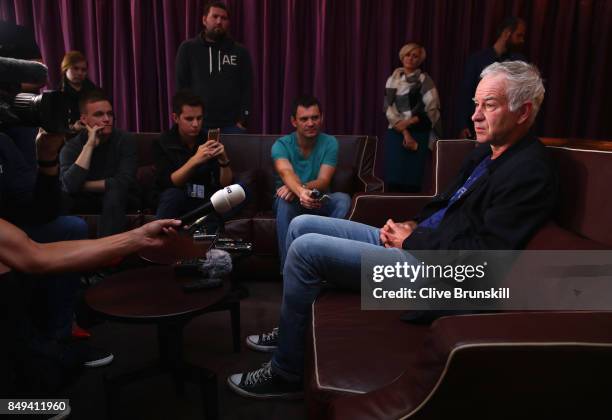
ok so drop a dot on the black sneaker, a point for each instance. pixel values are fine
(96, 357)
(266, 342)
(264, 383)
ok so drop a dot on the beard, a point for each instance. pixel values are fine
(216, 34)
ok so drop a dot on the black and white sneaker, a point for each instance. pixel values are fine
(97, 357)
(264, 383)
(77, 353)
(266, 342)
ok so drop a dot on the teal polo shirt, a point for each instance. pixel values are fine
(307, 169)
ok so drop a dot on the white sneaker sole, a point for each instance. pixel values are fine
(100, 362)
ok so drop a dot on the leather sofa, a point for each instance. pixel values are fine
(252, 166)
(370, 365)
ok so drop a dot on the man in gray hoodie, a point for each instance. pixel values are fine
(218, 69)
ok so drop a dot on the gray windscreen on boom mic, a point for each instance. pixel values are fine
(13, 70)
(220, 202)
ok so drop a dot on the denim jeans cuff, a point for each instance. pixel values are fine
(288, 376)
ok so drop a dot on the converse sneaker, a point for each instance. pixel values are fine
(264, 383)
(76, 353)
(266, 342)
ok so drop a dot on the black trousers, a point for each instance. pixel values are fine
(112, 205)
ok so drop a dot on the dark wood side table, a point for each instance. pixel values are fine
(154, 295)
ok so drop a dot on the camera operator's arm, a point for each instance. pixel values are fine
(46, 204)
(75, 161)
(19, 252)
(47, 152)
(31, 192)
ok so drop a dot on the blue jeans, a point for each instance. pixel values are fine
(55, 308)
(337, 207)
(319, 248)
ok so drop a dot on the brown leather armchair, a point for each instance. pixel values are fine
(370, 365)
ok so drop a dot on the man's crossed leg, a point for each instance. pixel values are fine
(318, 249)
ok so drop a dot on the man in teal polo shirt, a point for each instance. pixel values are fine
(305, 160)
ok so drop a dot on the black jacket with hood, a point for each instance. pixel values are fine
(220, 73)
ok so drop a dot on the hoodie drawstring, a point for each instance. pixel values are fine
(209, 61)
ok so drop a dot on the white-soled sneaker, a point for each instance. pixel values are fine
(266, 342)
(264, 383)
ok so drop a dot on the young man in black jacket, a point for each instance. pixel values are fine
(189, 168)
(218, 69)
(504, 193)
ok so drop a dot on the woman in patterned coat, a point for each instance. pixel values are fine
(412, 107)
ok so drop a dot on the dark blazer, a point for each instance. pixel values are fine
(503, 208)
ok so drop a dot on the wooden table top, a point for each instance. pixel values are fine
(150, 294)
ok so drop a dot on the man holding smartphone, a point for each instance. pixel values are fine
(190, 165)
(98, 166)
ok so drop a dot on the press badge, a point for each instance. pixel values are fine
(195, 190)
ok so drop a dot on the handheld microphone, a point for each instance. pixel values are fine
(14, 70)
(220, 202)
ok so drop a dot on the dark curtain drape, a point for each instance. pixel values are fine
(340, 50)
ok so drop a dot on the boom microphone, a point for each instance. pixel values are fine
(13, 70)
(220, 202)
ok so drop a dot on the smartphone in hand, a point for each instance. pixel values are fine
(214, 134)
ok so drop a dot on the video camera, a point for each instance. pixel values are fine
(49, 110)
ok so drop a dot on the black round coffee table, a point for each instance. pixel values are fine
(154, 295)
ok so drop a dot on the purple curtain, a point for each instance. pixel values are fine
(340, 50)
